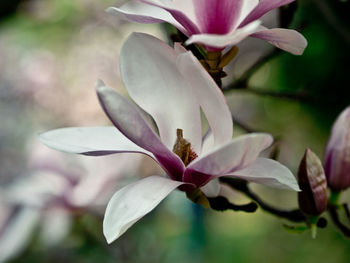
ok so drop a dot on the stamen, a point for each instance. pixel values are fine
(228, 56)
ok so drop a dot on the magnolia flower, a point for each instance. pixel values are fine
(215, 23)
(337, 156)
(172, 87)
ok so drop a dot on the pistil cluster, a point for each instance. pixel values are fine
(182, 148)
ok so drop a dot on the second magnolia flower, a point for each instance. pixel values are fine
(215, 24)
(171, 86)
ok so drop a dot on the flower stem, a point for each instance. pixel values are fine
(313, 231)
(334, 198)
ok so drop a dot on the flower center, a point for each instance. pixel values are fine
(182, 148)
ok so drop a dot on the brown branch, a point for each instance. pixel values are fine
(300, 96)
(333, 211)
(243, 80)
(347, 211)
(333, 19)
(242, 125)
(220, 203)
(292, 215)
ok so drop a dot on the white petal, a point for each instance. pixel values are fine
(179, 49)
(211, 189)
(134, 201)
(270, 173)
(90, 141)
(235, 155)
(222, 41)
(238, 153)
(208, 142)
(286, 39)
(210, 97)
(149, 71)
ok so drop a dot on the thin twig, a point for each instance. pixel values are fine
(220, 203)
(292, 215)
(333, 19)
(243, 80)
(333, 211)
(242, 125)
(347, 211)
(300, 96)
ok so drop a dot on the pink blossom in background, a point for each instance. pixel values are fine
(55, 190)
(337, 156)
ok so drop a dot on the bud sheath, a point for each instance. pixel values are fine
(312, 182)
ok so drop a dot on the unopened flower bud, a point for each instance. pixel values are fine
(312, 182)
(337, 156)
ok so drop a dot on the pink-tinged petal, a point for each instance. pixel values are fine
(209, 96)
(131, 203)
(151, 76)
(187, 20)
(247, 8)
(268, 172)
(16, 234)
(263, 7)
(102, 175)
(37, 189)
(129, 121)
(337, 155)
(222, 41)
(217, 16)
(286, 39)
(234, 156)
(93, 141)
(144, 13)
(55, 226)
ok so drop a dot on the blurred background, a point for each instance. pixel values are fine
(51, 204)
